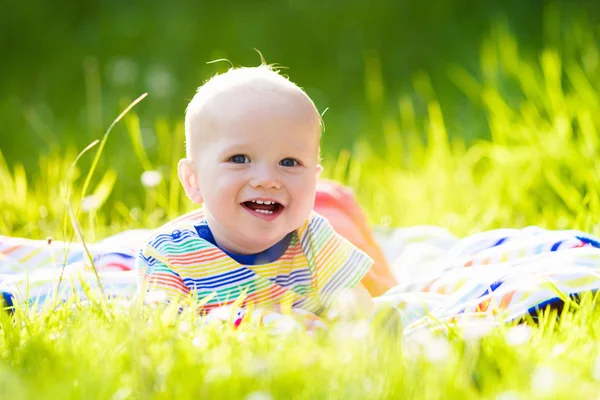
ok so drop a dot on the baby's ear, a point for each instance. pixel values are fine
(319, 170)
(189, 180)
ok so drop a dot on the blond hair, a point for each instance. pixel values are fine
(262, 79)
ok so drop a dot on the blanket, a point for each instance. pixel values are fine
(499, 275)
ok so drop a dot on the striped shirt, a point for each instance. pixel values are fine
(177, 264)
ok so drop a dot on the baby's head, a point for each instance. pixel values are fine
(252, 140)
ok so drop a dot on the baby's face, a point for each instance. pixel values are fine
(257, 167)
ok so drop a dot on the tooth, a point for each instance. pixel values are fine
(268, 202)
(259, 201)
(264, 211)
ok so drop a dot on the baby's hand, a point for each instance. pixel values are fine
(354, 303)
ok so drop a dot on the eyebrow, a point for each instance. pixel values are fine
(236, 147)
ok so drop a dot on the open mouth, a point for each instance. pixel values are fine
(265, 207)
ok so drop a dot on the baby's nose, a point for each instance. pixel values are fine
(266, 178)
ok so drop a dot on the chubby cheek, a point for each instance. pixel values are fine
(221, 192)
(303, 194)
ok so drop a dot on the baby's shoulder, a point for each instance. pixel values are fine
(315, 225)
(177, 234)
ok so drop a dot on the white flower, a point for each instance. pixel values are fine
(437, 350)
(184, 327)
(596, 369)
(473, 331)
(160, 81)
(434, 348)
(43, 212)
(135, 213)
(558, 349)
(259, 396)
(200, 341)
(258, 367)
(122, 394)
(156, 297)
(218, 373)
(360, 330)
(220, 314)
(122, 71)
(283, 325)
(90, 203)
(151, 179)
(385, 220)
(509, 395)
(542, 380)
(518, 335)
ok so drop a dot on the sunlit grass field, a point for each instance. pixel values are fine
(539, 166)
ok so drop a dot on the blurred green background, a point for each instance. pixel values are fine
(418, 82)
(68, 66)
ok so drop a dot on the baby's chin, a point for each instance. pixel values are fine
(254, 241)
(257, 245)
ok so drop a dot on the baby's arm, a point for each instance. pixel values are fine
(363, 299)
(352, 303)
(339, 268)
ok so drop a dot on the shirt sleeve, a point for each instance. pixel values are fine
(158, 279)
(335, 263)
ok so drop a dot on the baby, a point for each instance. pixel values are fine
(252, 165)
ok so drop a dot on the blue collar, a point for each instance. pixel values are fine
(269, 255)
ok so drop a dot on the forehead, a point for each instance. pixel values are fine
(246, 114)
(265, 128)
(244, 100)
(265, 108)
(260, 109)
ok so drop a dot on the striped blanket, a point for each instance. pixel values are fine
(500, 275)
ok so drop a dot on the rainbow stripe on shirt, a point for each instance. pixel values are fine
(177, 264)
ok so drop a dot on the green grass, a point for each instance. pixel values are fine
(114, 351)
(540, 166)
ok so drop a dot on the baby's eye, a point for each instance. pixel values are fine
(239, 159)
(288, 162)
